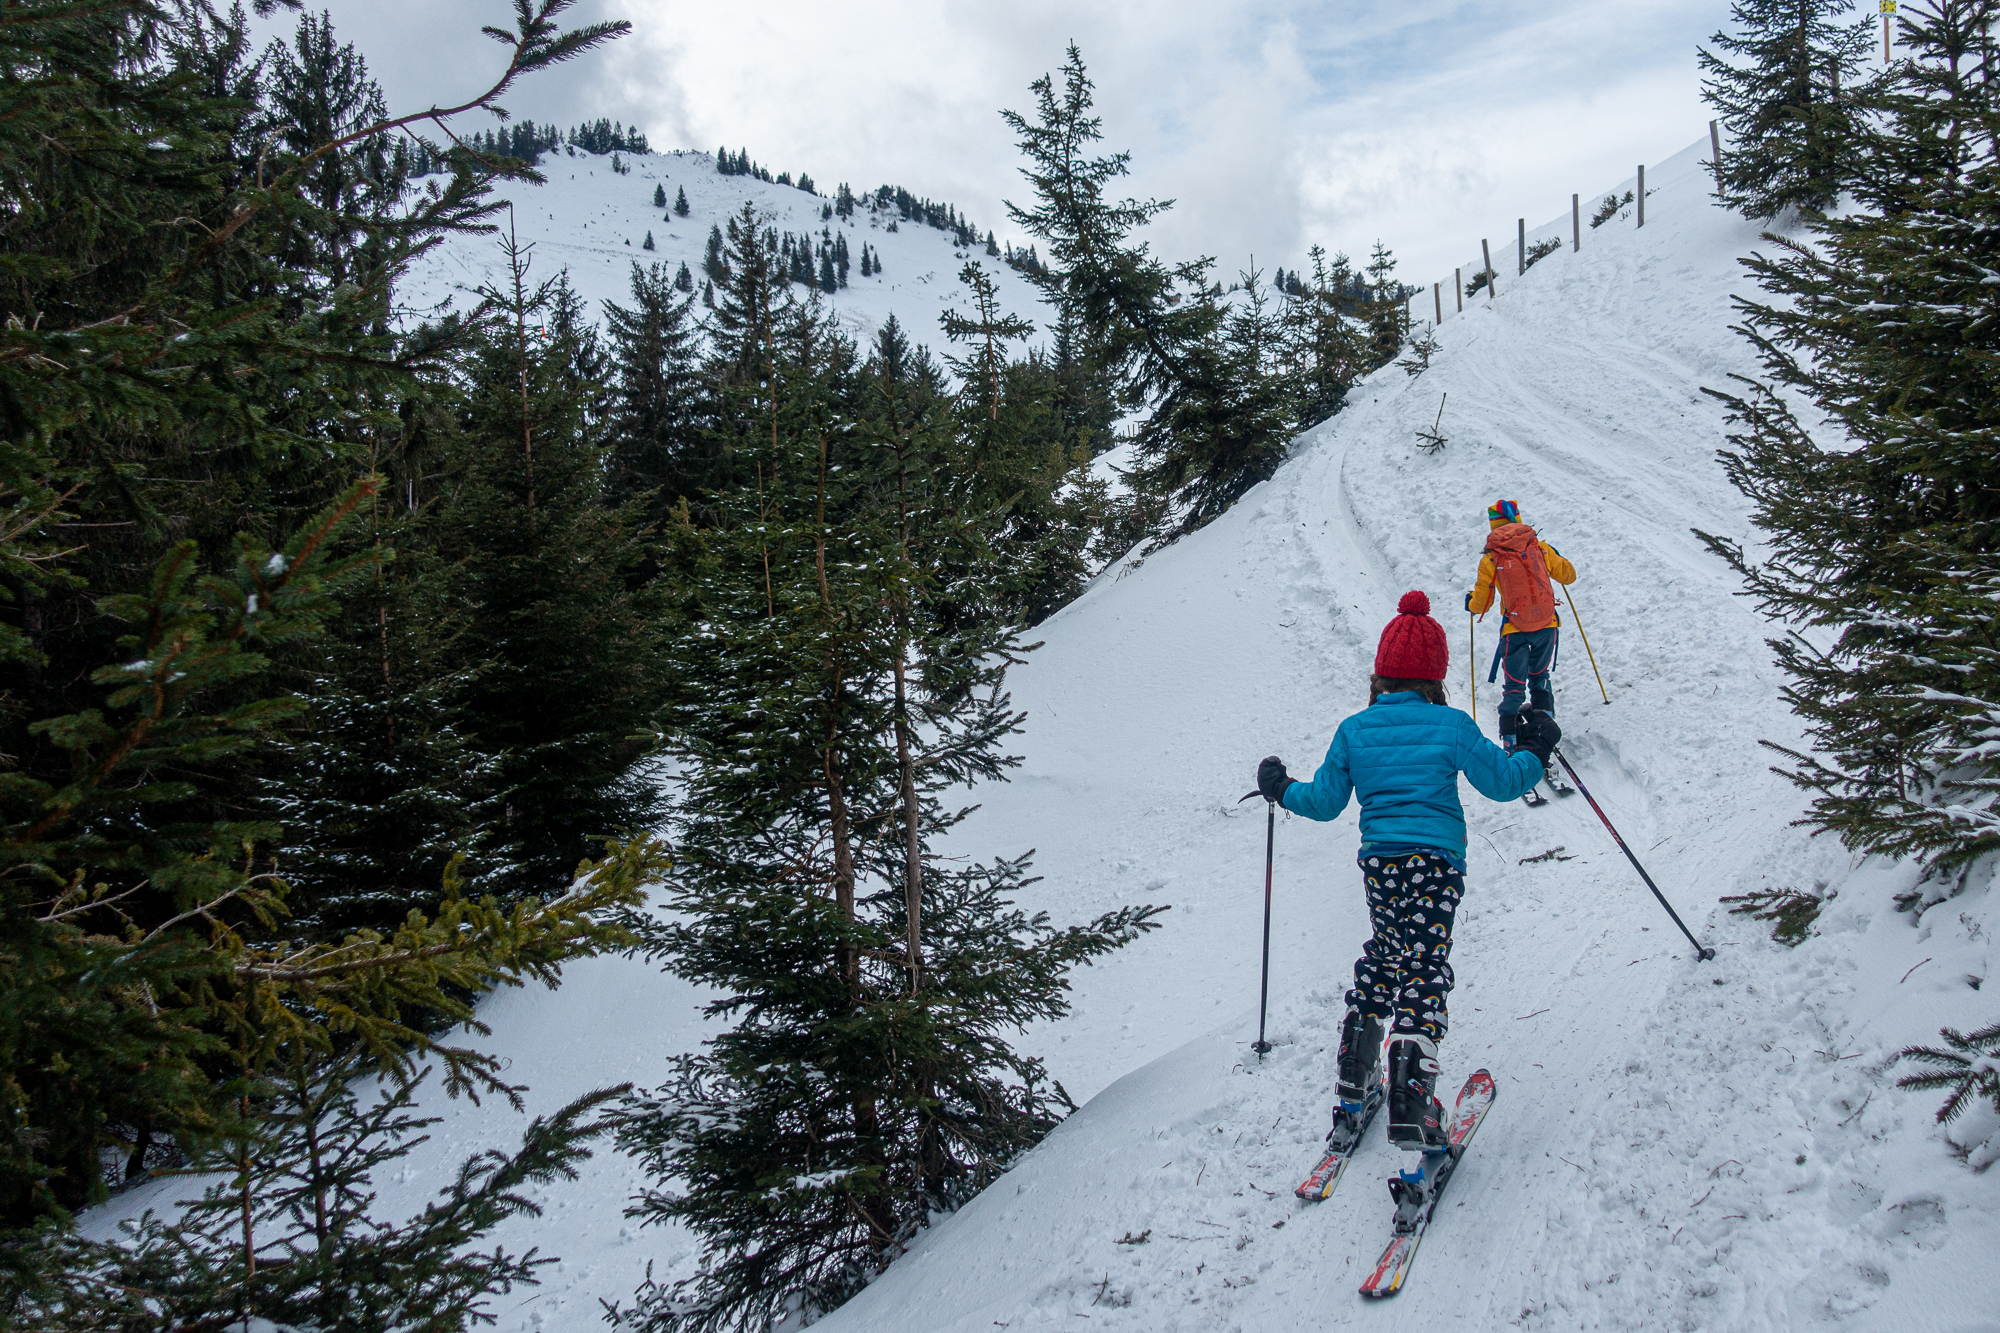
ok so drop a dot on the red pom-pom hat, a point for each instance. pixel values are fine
(1413, 645)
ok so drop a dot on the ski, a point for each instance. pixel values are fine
(1414, 1207)
(1559, 784)
(1326, 1176)
(1533, 796)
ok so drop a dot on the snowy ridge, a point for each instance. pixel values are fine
(1675, 1144)
(593, 222)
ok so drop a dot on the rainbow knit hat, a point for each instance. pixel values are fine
(1503, 511)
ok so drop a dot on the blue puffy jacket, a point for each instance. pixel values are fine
(1402, 755)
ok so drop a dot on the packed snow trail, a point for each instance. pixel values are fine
(1676, 1144)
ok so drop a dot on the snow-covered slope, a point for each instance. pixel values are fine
(1675, 1145)
(593, 222)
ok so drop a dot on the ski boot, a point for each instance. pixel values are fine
(1510, 726)
(1416, 1116)
(1359, 1085)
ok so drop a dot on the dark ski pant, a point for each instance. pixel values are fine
(1402, 975)
(1526, 660)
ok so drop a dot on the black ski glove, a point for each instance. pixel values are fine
(1271, 779)
(1537, 734)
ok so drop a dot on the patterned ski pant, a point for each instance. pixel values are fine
(1402, 975)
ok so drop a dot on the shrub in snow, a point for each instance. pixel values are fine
(1607, 209)
(1967, 1068)
(1791, 912)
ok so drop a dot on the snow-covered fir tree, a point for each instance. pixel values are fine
(1883, 524)
(1785, 82)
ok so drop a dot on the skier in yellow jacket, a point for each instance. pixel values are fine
(1519, 566)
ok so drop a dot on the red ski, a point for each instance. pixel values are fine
(1416, 1203)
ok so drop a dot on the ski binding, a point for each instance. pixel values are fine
(1341, 1143)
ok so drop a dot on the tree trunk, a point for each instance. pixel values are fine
(913, 865)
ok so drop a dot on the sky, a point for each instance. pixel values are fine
(1273, 124)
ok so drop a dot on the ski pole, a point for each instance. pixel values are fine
(1586, 642)
(1702, 952)
(1264, 985)
(1472, 652)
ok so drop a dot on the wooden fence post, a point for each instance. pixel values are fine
(1437, 299)
(1521, 246)
(1576, 222)
(1715, 143)
(1458, 287)
(1642, 194)
(1486, 251)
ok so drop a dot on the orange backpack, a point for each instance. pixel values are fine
(1527, 600)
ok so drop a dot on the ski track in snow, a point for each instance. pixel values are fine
(1675, 1145)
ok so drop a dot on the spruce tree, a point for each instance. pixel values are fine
(318, 91)
(1112, 288)
(663, 453)
(287, 1237)
(1387, 312)
(659, 196)
(194, 379)
(1137, 330)
(681, 202)
(647, 244)
(548, 562)
(1025, 466)
(1226, 426)
(1884, 524)
(852, 684)
(1324, 344)
(388, 781)
(1785, 83)
(712, 262)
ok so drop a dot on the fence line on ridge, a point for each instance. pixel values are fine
(1487, 277)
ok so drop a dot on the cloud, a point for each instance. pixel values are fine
(1274, 124)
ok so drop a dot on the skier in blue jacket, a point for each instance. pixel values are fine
(1402, 756)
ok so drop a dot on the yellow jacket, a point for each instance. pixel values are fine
(1481, 596)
